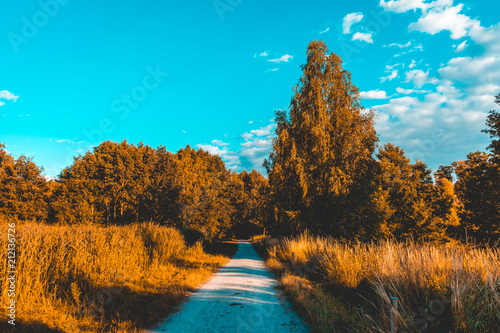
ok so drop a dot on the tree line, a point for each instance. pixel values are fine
(122, 183)
(326, 173)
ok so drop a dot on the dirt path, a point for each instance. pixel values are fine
(241, 297)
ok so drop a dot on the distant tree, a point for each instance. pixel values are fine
(249, 199)
(478, 185)
(23, 189)
(204, 202)
(493, 123)
(161, 199)
(478, 189)
(413, 205)
(321, 166)
(444, 172)
(105, 185)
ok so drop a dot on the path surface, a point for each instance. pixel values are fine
(241, 297)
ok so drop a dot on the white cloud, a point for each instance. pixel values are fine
(401, 46)
(273, 69)
(349, 20)
(389, 68)
(365, 37)
(219, 143)
(413, 64)
(326, 30)
(213, 149)
(373, 94)
(391, 76)
(418, 47)
(461, 47)
(251, 153)
(439, 19)
(247, 136)
(419, 78)
(466, 68)
(263, 131)
(264, 54)
(401, 6)
(443, 123)
(8, 96)
(285, 58)
(411, 91)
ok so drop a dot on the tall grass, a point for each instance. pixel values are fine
(94, 279)
(439, 287)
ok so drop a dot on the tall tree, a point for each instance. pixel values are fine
(321, 165)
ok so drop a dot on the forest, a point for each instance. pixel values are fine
(327, 174)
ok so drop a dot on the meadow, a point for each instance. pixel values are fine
(89, 278)
(347, 287)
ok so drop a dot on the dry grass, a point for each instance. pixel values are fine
(439, 287)
(96, 279)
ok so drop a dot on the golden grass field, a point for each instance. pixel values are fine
(347, 287)
(94, 279)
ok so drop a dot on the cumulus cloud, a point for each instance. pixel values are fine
(7, 96)
(284, 58)
(365, 37)
(449, 18)
(419, 78)
(251, 153)
(349, 20)
(462, 68)
(413, 64)
(443, 123)
(263, 131)
(390, 77)
(401, 6)
(373, 94)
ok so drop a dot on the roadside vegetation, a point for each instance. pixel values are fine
(91, 278)
(346, 287)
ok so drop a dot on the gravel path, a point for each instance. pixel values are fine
(240, 297)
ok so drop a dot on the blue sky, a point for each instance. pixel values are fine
(212, 73)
